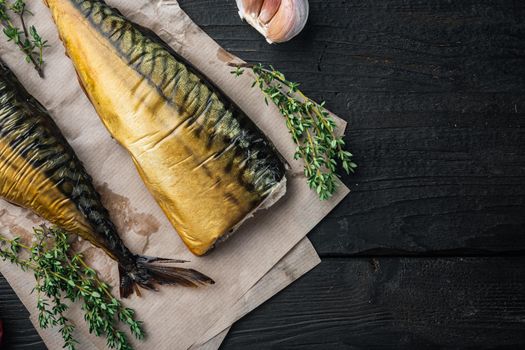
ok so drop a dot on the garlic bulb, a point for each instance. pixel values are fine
(277, 20)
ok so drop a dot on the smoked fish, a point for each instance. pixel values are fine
(40, 171)
(206, 163)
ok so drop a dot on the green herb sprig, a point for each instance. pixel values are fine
(311, 126)
(26, 38)
(63, 275)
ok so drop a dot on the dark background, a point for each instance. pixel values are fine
(428, 251)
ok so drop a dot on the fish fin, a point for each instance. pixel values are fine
(126, 283)
(147, 273)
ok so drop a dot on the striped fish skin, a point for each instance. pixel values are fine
(40, 171)
(206, 163)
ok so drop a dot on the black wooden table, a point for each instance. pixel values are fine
(429, 249)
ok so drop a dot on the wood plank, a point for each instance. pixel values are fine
(19, 331)
(433, 93)
(394, 303)
(386, 303)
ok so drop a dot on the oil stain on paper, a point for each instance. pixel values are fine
(125, 216)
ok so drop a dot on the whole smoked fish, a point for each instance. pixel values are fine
(40, 171)
(206, 163)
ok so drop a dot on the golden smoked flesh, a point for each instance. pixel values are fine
(41, 172)
(205, 162)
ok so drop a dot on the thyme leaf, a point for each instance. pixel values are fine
(63, 276)
(27, 39)
(311, 127)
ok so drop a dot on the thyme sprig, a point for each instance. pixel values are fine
(61, 276)
(26, 38)
(311, 126)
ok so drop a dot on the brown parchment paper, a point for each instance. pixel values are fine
(301, 259)
(175, 318)
(297, 262)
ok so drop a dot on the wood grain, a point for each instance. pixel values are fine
(19, 332)
(381, 303)
(393, 303)
(433, 91)
(433, 94)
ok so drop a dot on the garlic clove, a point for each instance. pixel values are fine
(289, 20)
(250, 7)
(277, 20)
(268, 10)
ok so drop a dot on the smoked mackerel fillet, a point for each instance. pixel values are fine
(205, 162)
(40, 171)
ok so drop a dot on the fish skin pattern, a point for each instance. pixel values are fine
(40, 171)
(205, 162)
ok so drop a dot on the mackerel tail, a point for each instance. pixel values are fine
(40, 171)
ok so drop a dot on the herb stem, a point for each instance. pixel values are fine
(29, 51)
(62, 276)
(22, 21)
(28, 40)
(33, 266)
(3, 239)
(99, 282)
(311, 126)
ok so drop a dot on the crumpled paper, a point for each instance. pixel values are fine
(297, 262)
(175, 318)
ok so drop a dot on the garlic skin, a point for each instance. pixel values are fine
(277, 20)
